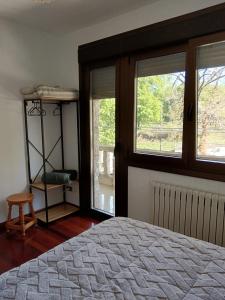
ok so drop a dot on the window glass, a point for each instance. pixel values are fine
(160, 86)
(211, 102)
(103, 109)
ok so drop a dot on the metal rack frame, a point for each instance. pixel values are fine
(45, 158)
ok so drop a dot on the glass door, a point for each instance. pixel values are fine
(103, 135)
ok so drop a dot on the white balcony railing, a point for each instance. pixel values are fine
(106, 165)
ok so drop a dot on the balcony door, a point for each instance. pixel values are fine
(103, 139)
(104, 135)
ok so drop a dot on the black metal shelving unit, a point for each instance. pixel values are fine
(50, 213)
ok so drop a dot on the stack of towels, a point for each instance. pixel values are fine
(46, 92)
(59, 177)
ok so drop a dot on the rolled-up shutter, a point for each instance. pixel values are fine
(103, 83)
(212, 55)
(167, 64)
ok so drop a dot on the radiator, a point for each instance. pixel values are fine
(191, 212)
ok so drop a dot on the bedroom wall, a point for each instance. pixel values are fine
(26, 57)
(139, 179)
(29, 56)
(146, 15)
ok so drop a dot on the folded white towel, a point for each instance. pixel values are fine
(53, 95)
(45, 91)
(43, 87)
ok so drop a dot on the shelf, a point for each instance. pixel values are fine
(56, 212)
(52, 100)
(41, 187)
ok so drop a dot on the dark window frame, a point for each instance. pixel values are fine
(212, 167)
(121, 168)
(153, 159)
(121, 47)
(188, 164)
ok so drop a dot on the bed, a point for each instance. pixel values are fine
(121, 259)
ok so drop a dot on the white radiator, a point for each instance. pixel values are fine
(190, 212)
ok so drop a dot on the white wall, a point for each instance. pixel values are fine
(26, 57)
(146, 15)
(139, 188)
(139, 179)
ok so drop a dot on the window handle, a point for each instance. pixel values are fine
(190, 112)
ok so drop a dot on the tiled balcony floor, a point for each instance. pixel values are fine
(106, 199)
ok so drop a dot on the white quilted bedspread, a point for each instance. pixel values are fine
(121, 259)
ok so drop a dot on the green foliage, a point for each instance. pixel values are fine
(159, 99)
(148, 103)
(159, 104)
(107, 122)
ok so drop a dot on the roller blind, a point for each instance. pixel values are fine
(212, 55)
(103, 83)
(172, 63)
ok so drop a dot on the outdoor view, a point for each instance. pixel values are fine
(103, 107)
(159, 106)
(103, 150)
(160, 85)
(107, 122)
(211, 102)
(160, 102)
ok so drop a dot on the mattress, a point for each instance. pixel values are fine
(122, 259)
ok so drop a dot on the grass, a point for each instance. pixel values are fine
(159, 146)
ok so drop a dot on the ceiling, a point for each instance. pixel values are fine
(61, 16)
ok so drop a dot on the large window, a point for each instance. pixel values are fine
(179, 108)
(160, 85)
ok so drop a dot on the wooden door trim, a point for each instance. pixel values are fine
(121, 167)
(168, 32)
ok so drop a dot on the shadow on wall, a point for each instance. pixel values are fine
(13, 178)
(26, 57)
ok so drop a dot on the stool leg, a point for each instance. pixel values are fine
(32, 212)
(9, 216)
(21, 218)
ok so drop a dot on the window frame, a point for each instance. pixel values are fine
(121, 47)
(121, 168)
(157, 161)
(212, 167)
(188, 163)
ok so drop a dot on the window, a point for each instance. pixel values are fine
(135, 55)
(160, 83)
(211, 102)
(179, 108)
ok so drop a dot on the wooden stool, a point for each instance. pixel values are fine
(22, 223)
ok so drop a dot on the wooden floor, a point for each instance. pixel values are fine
(14, 250)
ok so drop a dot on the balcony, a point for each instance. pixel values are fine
(105, 185)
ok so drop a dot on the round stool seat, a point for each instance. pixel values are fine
(22, 223)
(20, 198)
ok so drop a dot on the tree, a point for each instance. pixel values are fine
(160, 101)
(107, 122)
(148, 104)
(211, 113)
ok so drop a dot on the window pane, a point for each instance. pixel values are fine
(159, 105)
(211, 102)
(103, 107)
